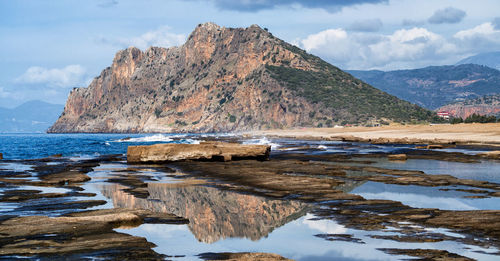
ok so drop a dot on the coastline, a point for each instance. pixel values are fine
(485, 134)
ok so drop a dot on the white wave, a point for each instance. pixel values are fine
(107, 143)
(262, 141)
(153, 138)
(322, 147)
(78, 157)
(189, 141)
(181, 138)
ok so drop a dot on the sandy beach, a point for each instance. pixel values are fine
(472, 134)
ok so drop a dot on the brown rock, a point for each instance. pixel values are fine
(491, 154)
(222, 79)
(1, 156)
(426, 254)
(202, 151)
(242, 256)
(434, 146)
(81, 232)
(397, 157)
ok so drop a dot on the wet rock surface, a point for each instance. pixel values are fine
(241, 256)
(51, 217)
(218, 151)
(427, 254)
(326, 179)
(67, 234)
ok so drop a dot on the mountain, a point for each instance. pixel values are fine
(434, 86)
(213, 214)
(29, 117)
(486, 105)
(491, 59)
(225, 79)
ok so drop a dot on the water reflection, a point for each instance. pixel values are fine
(426, 197)
(213, 214)
(486, 170)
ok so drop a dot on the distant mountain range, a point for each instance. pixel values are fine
(435, 86)
(29, 117)
(491, 59)
(226, 79)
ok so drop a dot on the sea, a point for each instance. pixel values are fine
(236, 226)
(39, 145)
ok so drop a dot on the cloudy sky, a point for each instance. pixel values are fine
(49, 47)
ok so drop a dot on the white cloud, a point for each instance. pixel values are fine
(358, 50)
(484, 37)
(314, 41)
(68, 76)
(324, 226)
(482, 30)
(161, 37)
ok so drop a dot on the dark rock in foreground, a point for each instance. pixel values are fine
(84, 232)
(204, 151)
(242, 256)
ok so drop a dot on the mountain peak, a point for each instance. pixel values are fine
(225, 79)
(210, 26)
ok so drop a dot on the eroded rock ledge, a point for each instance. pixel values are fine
(216, 151)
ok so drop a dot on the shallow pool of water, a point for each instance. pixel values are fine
(485, 170)
(426, 197)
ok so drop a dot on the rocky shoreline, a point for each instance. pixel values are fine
(68, 228)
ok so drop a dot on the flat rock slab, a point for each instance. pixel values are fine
(89, 233)
(216, 151)
(242, 256)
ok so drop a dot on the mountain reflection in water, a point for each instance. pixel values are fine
(213, 214)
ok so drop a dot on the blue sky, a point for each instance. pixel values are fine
(49, 47)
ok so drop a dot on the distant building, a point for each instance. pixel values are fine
(444, 115)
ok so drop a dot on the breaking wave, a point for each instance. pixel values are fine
(153, 138)
(262, 141)
(161, 138)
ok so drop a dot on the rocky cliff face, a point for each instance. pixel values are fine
(224, 79)
(487, 105)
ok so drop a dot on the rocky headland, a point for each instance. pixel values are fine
(226, 79)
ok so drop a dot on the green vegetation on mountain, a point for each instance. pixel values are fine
(353, 100)
(227, 79)
(474, 118)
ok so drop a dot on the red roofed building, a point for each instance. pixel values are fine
(444, 115)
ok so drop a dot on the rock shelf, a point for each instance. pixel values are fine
(218, 151)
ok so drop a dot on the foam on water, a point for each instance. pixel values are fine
(189, 141)
(153, 138)
(262, 141)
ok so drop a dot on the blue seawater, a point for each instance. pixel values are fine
(31, 146)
